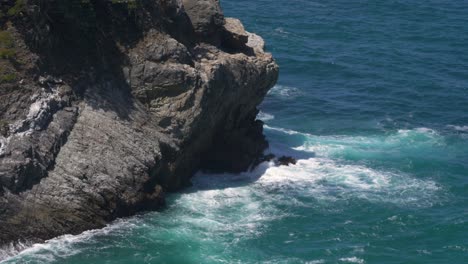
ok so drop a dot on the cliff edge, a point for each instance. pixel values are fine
(107, 105)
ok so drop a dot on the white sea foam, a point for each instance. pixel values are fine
(286, 131)
(352, 260)
(285, 92)
(319, 261)
(407, 142)
(59, 247)
(265, 116)
(242, 206)
(422, 130)
(13, 249)
(281, 30)
(459, 128)
(227, 203)
(325, 177)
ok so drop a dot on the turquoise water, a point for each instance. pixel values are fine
(373, 101)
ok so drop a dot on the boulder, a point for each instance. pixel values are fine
(235, 36)
(286, 161)
(207, 19)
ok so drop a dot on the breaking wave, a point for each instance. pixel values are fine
(285, 92)
(222, 212)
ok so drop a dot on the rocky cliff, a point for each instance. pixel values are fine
(107, 105)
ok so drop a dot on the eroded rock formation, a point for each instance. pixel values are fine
(87, 140)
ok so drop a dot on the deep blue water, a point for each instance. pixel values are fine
(373, 101)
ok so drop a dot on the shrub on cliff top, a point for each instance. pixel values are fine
(17, 8)
(7, 53)
(6, 45)
(6, 40)
(6, 75)
(7, 78)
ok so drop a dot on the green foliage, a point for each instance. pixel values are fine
(20, 5)
(7, 78)
(6, 45)
(7, 53)
(6, 40)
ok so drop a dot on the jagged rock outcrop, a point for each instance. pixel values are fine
(92, 140)
(207, 19)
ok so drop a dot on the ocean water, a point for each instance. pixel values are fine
(373, 102)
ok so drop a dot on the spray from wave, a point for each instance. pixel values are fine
(62, 247)
(459, 128)
(265, 116)
(401, 145)
(285, 92)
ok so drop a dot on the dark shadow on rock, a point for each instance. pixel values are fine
(110, 96)
(242, 49)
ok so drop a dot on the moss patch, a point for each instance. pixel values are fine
(19, 6)
(7, 78)
(7, 50)
(6, 40)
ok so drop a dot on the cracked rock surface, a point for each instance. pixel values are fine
(87, 146)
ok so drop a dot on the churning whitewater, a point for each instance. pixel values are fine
(222, 212)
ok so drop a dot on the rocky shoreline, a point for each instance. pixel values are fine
(93, 132)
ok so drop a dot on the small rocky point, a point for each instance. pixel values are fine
(286, 161)
(103, 118)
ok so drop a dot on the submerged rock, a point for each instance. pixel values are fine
(286, 161)
(128, 117)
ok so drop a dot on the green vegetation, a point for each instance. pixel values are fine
(6, 45)
(7, 78)
(6, 40)
(7, 53)
(19, 6)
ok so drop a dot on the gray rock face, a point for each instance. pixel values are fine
(235, 35)
(207, 18)
(73, 163)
